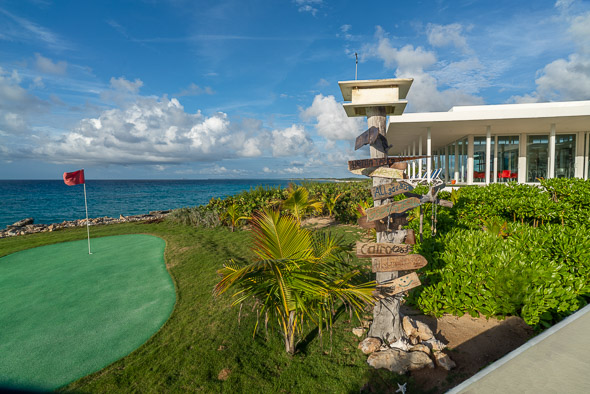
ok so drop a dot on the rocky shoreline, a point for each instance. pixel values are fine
(27, 226)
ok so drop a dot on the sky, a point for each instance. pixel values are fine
(249, 89)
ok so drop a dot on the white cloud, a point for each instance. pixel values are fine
(16, 104)
(124, 85)
(291, 141)
(425, 93)
(46, 65)
(149, 131)
(308, 6)
(444, 35)
(194, 90)
(331, 122)
(565, 79)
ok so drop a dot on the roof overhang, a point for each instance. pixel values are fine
(506, 119)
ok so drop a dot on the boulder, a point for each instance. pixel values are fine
(370, 345)
(434, 344)
(358, 331)
(21, 223)
(420, 348)
(399, 361)
(444, 361)
(416, 329)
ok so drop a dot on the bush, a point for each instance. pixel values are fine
(200, 216)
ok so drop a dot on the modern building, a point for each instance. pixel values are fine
(497, 143)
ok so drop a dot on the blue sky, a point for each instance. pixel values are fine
(249, 89)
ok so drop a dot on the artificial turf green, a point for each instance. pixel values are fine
(65, 313)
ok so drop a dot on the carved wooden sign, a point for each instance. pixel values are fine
(402, 284)
(368, 137)
(381, 225)
(382, 172)
(385, 210)
(382, 161)
(390, 190)
(372, 249)
(398, 263)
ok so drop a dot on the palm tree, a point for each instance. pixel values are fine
(298, 203)
(329, 201)
(296, 278)
(233, 215)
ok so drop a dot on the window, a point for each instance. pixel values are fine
(537, 153)
(565, 145)
(507, 158)
(479, 158)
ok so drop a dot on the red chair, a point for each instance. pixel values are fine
(514, 175)
(479, 175)
(504, 174)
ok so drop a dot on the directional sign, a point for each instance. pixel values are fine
(385, 210)
(372, 249)
(398, 263)
(368, 137)
(382, 161)
(399, 166)
(402, 284)
(381, 172)
(390, 190)
(381, 225)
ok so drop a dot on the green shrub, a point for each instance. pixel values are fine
(200, 216)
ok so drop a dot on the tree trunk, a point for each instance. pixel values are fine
(387, 321)
(290, 334)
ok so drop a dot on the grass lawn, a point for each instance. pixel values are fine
(203, 336)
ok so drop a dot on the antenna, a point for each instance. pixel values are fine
(356, 67)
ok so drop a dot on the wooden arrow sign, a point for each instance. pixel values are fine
(385, 210)
(390, 190)
(400, 285)
(372, 249)
(398, 263)
(381, 225)
(368, 137)
(382, 161)
(381, 172)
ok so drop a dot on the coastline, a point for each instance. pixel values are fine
(26, 226)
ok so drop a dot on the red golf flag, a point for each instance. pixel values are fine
(74, 178)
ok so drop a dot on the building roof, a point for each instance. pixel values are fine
(505, 119)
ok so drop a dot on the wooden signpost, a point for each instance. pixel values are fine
(381, 172)
(369, 137)
(381, 225)
(385, 191)
(398, 263)
(381, 161)
(372, 249)
(385, 210)
(400, 285)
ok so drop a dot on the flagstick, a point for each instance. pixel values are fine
(87, 223)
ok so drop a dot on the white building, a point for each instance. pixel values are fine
(498, 143)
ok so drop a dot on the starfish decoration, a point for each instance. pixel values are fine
(401, 388)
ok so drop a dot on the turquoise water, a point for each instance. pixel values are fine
(53, 201)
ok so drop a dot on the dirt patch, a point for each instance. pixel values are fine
(473, 343)
(319, 222)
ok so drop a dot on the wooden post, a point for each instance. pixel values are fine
(387, 321)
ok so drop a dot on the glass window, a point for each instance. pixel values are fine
(507, 158)
(537, 153)
(479, 159)
(565, 145)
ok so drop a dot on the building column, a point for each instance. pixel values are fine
(456, 161)
(446, 163)
(551, 160)
(579, 161)
(414, 161)
(462, 159)
(429, 154)
(420, 154)
(470, 150)
(522, 158)
(495, 159)
(488, 153)
(586, 157)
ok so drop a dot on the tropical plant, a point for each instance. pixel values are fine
(297, 277)
(233, 217)
(329, 201)
(298, 203)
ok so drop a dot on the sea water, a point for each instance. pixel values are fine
(49, 201)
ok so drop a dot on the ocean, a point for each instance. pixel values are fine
(48, 201)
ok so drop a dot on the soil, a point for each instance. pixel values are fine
(472, 343)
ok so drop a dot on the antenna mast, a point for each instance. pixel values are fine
(356, 66)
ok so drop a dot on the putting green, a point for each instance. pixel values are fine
(65, 313)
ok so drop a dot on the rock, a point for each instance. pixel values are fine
(358, 331)
(370, 345)
(399, 361)
(444, 361)
(21, 223)
(416, 329)
(434, 344)
(365, 323)
(420, 348)
(224, 374)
